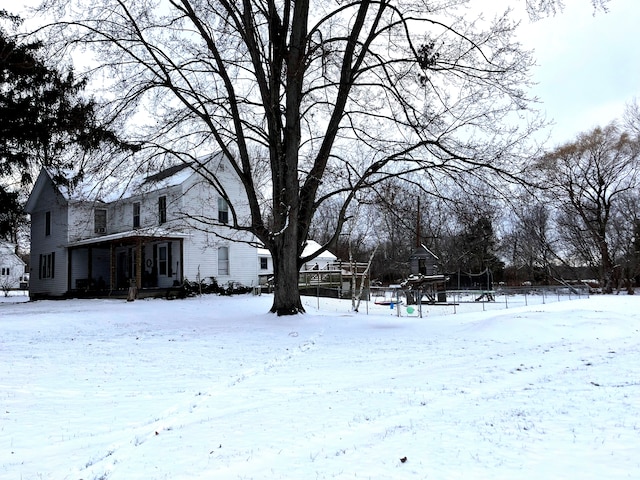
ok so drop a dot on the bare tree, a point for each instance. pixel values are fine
(539, 8)
(631, 117)
(530, 244)
(342, 95)
(586, 178)
(626, 233)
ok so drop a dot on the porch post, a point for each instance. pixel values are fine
(69, 268)
(90, 268)
(180, 270)
(112, 267)
(139, 263)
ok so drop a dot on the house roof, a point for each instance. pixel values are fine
(44, 179)
(168, 172)
(9, 249)
(108, 188)
(152, 232)
(421, 250)
(312, 247)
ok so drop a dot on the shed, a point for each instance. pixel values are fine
(423, 261)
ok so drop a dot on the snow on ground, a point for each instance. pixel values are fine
(213, 387)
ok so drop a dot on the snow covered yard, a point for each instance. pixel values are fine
(213, 387)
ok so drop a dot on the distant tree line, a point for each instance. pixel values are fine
(574, 217)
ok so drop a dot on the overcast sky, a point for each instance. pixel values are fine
(588, 65)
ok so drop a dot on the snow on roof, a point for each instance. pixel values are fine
(312, 246)
(155, 232)
(103, 186)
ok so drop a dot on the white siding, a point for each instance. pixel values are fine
(80, 216)
(201, 248)
(11, 267)
(42, 244)
(186, 198)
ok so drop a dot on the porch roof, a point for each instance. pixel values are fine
(130, 236)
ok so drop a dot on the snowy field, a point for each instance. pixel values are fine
(213, 387)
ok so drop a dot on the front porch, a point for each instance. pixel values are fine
(108, 266)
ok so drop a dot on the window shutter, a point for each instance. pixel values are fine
(53, 264)
(40, 267)
(169, 260)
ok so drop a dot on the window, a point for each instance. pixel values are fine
(223, 261)
(264, 263)
(5, 271)
(162, 260)
(47, 223)
(136, 215)
(162, 210)
(223, 210)
(47, 265)
(100, 220)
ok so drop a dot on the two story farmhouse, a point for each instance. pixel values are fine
(151, 237)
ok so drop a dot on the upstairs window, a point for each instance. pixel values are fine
(264, 263)
(100, 220)
(5, 271)
(223, 211)
(223, 261)
(162, 210)
(47, 223)
(136, 215)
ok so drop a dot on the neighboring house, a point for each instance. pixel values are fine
(11, 267)
(322, 261)
(149, 237)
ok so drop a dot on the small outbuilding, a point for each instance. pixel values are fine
(423, 261)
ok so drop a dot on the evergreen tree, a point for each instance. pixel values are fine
(44, 121)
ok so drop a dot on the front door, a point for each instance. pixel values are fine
(125, 267)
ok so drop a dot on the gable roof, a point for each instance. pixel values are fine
(112, 188)
(311, 247)
(168, 172)
(8, 249)
(43, 180)
(421, 251)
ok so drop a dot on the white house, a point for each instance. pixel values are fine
(149, 237)
(11, 267)
(322, 261)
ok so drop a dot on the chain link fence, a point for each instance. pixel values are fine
(415, 303)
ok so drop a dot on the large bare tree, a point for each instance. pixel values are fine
(339, 94)
(586, 178)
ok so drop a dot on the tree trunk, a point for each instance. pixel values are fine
(286, 271)
(607, 268)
